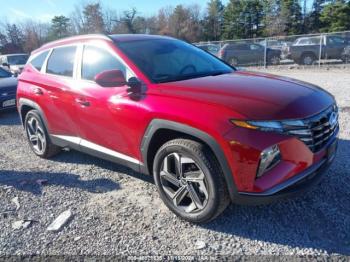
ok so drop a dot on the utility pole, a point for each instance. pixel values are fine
(304, 16)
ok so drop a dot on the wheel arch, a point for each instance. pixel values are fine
(307, 53)
(25, 105)
(154, 138)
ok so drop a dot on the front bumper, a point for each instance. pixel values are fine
(298, 168)
(292, 187)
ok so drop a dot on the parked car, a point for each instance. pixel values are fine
(248, 54)
(275, 44)
(306, 50)
(8, 88)
(345, 56)
(13, 62)
(209, 134)
(211, 48)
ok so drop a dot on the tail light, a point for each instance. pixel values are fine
(221, 53)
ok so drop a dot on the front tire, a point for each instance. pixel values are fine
(274, 60)
(38, 137)
(190, 181)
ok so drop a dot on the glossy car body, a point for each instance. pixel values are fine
(125, 127)
(8, 89)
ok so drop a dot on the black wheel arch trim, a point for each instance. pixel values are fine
(157, 124)
(27, 102)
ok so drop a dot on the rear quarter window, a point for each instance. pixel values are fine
(38, 61)
(61, 61)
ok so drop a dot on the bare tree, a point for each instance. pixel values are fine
(126, 23)
(163, 18)
(77, 20)
(184, 23)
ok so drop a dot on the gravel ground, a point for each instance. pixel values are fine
(117, 211)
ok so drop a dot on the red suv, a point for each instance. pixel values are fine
(209, 134)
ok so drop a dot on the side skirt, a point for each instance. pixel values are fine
(93, 149)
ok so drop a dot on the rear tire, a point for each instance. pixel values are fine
(190, 181)
(233, 61)
(308, 59)
(38, 137)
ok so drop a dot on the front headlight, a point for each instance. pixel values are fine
(275, 126)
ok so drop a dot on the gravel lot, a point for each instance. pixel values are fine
(117, 211)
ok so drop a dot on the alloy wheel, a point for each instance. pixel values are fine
(275, 60)
(233, 61)
(308, 60)
(184, 183)
(36, 135)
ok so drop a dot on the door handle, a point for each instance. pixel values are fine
(82, 102)
(38, 91)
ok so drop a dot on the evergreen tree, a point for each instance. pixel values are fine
(291, 17)
(335, 17)
(59, 27)
(243, 19)
(213, 20)
(314, 24)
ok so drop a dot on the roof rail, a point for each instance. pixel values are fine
(77, 37)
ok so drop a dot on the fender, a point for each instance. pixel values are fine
(157, 124)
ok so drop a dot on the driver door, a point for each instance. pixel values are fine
(100, 109)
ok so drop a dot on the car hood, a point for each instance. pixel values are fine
(255, 96)
(8, 84)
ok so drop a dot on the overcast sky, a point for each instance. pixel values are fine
(44, 10)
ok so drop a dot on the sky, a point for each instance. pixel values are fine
(44, 10)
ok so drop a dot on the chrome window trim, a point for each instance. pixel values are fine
(85, 143)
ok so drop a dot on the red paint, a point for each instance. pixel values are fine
(118, 121)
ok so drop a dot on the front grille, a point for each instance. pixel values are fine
(317, 130)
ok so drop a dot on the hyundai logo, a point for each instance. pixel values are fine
(4, 94)
(333, 119)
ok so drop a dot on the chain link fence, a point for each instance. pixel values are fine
(305, 50)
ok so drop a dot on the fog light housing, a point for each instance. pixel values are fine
(269, 158)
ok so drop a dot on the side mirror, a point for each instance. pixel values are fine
(6, 64)
(111, 78)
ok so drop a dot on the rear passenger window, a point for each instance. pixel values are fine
(96, 60)
(38, 61)
(61, 61)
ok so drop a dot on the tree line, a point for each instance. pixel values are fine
(215, 21)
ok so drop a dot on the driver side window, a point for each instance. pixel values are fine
(96, 60)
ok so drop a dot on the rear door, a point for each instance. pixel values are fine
(57, 90)
(256, 54)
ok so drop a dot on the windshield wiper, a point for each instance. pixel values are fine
(216, 73)
(190, 76)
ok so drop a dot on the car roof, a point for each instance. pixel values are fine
(136, 37)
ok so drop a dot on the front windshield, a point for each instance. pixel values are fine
(167, 60)
(17, 59)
